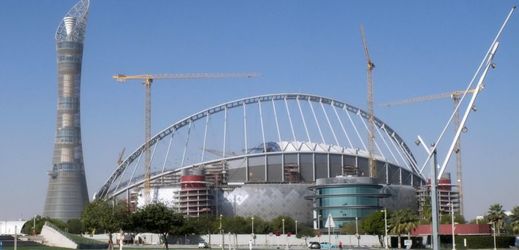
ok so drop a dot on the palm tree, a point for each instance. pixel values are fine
(403, 222)
(514, 218)
(426, 213)
(496, 215)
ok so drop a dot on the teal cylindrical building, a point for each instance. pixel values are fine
(67, 192)
(346, 198)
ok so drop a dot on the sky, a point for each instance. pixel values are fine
(419, 48)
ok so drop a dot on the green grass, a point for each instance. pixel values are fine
(35, 248)
(59, 248)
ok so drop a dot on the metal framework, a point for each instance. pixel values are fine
(271, 123)
(77, 17)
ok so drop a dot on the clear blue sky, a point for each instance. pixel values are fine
(419, 48)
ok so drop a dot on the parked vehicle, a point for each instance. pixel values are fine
(327, 245)
(314, 245)
(202, 245)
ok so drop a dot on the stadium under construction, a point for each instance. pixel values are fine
(299, 155)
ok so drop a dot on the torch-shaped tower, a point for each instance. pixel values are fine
(67, 192)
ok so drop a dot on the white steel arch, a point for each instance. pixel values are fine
(285, 126)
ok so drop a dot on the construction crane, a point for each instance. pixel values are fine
(120, 158)
(371, 120)
(453, 95)
(148, 79)
(456, 97)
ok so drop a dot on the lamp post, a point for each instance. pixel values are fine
(494, 232)
(357, 231)
(253, 237)
(286, 239)
(283, 221)
(34, 225)
(221, 231)
(252, 218)
(296, 227)
(452, 227)
(385, 229)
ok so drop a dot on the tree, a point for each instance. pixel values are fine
(27, 228)
(277, 224)
(103, 215)
(74, 226)
(403, 222)
(426, 213)
(157, 218)
(236, 224)
(261, 226)
(374, 224)
(351, 228)
(201, 225)
(514, 219)
(446, 219)
(496, 215)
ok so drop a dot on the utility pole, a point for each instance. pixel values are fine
(452, 227)
(385, 229)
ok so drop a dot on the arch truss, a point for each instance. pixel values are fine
(288, 122)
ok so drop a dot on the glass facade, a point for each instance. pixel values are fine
(346, 201)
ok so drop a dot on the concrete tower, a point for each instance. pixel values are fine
(67, 192)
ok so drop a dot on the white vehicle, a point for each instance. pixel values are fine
(202, 245)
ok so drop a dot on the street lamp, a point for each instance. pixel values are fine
(34, 225)
(452, 227)
(253, 237)
(252, 218)
(494, 232)
(283, 221)
(296, 227)
(385, 229)
(357, 231)
(221, 231)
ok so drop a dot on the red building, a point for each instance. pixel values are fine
(459, 229)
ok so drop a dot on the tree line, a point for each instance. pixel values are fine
(402, 222)
(108, 217)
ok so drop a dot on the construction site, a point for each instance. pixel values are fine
(319, 159)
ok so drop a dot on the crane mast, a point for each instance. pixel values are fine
(371, 120)
(147, 82)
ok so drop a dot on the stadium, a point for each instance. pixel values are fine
(299, 155)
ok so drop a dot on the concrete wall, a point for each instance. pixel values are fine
(54, 238)
(8, 227)
(266, 240)
(262, 240)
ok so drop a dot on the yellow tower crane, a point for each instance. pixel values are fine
(147, 81)
(371, 112)
(455, 96)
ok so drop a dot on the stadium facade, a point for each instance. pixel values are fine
(308, 159)
(67, 190)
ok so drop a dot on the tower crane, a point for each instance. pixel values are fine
(148, 79)
(455, 96)
(121, 156)
(371, 131)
